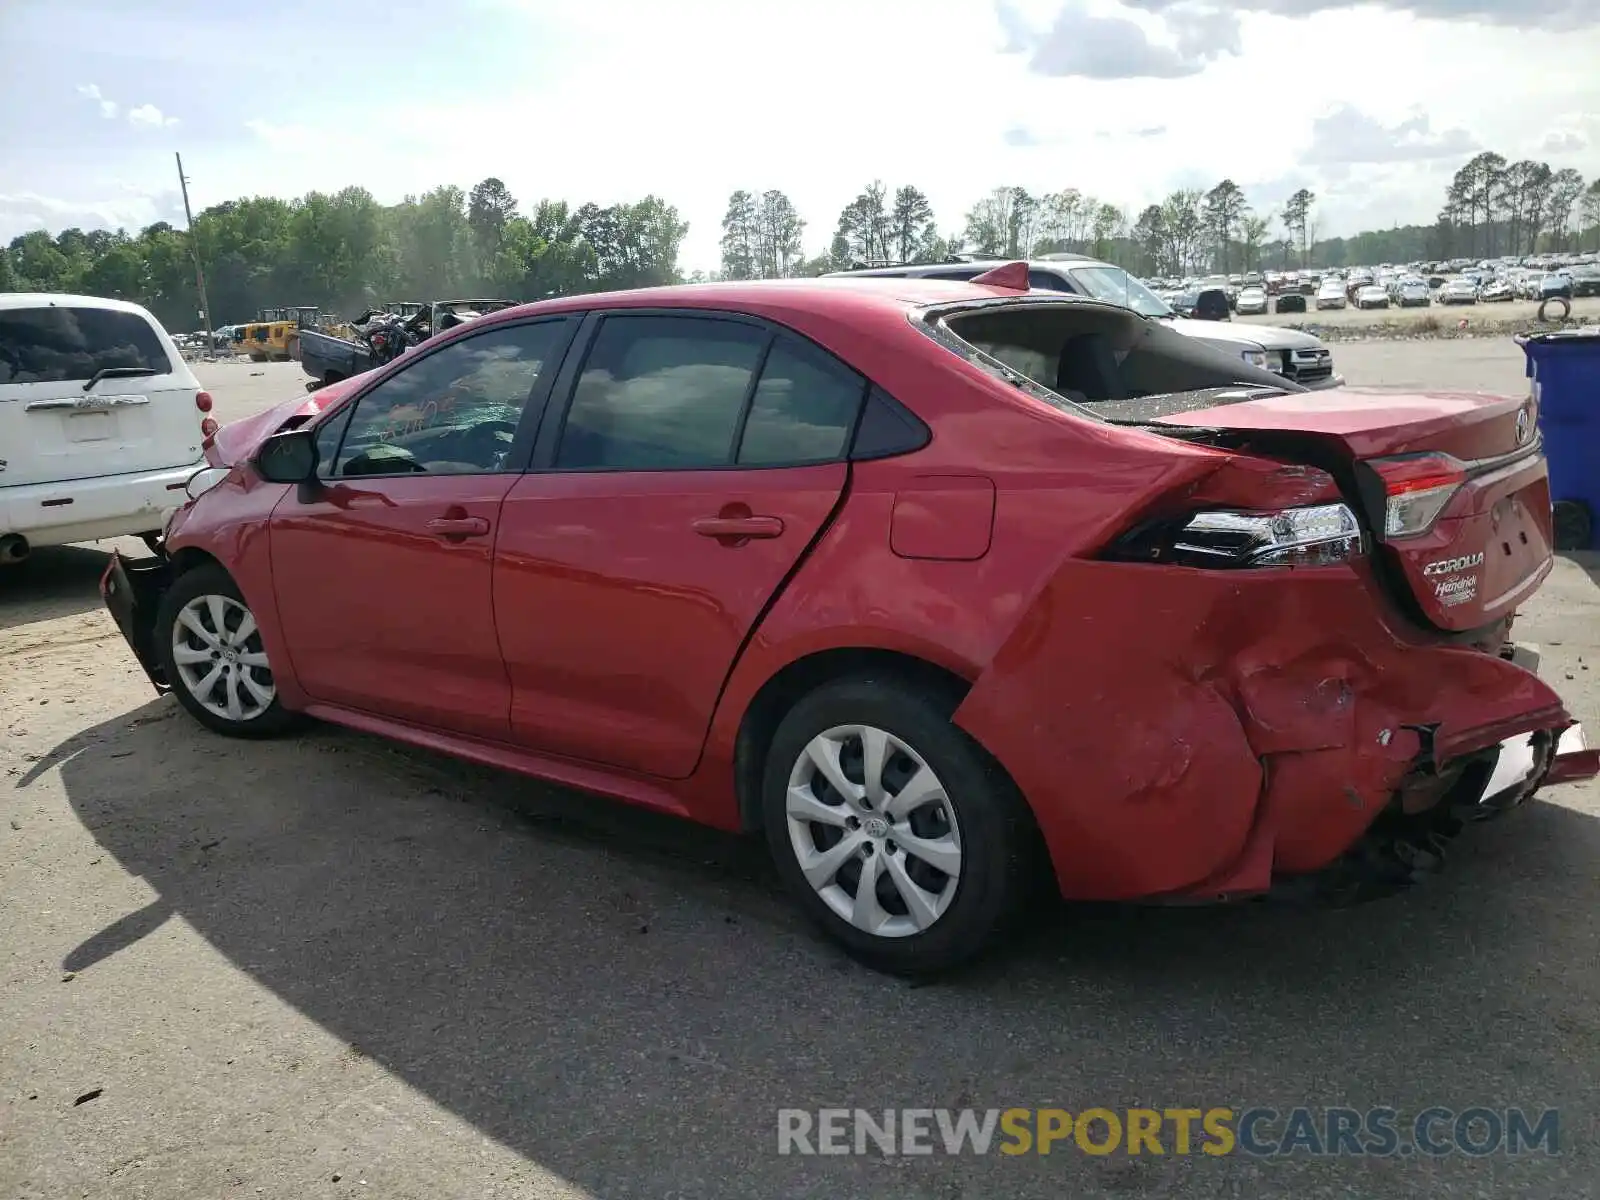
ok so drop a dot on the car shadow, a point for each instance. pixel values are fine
(54, 581)
(627, 1000)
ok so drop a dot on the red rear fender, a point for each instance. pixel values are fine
(1156, 716)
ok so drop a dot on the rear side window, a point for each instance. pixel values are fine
(804, 409)
(661, 393)
(56, 344)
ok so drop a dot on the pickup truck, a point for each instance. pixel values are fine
(328, 359)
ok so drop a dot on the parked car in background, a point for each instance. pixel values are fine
(101, 422)
(1413, 293)
(1372, 296)
(1497, 291)
(1458, 291)
(1252, 301)
(1296, 355)
(1555, 284)
(1585, 280)
(645, 553)
(1331, 294)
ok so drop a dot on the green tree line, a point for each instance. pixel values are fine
(344, 250)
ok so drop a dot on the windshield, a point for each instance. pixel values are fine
(1116, 286)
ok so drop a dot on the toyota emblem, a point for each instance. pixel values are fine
(1524, 427)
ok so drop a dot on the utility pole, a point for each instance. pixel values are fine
(194, 248)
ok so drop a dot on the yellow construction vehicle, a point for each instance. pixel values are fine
(271, 336)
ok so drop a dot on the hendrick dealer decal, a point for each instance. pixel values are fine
(1451, 586)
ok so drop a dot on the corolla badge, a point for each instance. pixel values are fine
(1524, 426)
(1449, 566)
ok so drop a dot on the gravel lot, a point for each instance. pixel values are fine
(336, 967)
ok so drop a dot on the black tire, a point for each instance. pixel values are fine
(999, 866)
(259, 721)
(1574, 525)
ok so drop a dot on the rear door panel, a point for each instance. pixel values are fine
(619, 622)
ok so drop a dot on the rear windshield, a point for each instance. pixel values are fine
(58, 345)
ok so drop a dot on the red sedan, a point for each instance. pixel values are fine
(940, 585)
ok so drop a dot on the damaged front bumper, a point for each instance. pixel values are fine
(132, 591)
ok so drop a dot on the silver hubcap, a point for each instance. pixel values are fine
(873, 830)
(220, 659)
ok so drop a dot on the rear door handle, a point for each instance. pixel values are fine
(459, 527)
(739, 527)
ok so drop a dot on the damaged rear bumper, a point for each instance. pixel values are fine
(1268, 727)
(132, 591)
(1402, 848)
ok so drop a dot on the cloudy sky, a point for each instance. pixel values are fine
(1371, 105)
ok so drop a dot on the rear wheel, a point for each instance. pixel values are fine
(892, 828)
(211, 648)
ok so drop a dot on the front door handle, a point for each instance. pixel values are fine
(741, 528)
(458, 527)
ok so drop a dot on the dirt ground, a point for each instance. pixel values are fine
(336, 967)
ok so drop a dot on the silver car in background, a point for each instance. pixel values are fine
(1372, 295)
(1331, 293)
(1252, 302)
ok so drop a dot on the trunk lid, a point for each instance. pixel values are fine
(1473, 459)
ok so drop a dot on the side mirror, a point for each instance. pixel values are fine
(288, 457)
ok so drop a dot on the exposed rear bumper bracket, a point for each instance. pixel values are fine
(1402, 849)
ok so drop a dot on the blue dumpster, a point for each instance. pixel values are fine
(1565, 369)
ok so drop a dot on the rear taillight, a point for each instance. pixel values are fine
(208, 429)
(1318, 536)
(1416, 488)
(202, 401)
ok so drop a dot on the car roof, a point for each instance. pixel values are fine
(10, 300)
(837, 297)
(918, 270)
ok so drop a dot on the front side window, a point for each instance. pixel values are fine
(55, 344)
(452, 412)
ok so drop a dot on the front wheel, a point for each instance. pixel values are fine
(892, 828)
(211, 648)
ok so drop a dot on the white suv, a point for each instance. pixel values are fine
(101, 422)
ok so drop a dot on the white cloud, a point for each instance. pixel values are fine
(148, 116)
(144, 116)
(1348, 135)
(108, 108)
(131, 210)
(1563, 141)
